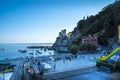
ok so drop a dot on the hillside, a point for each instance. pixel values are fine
(103, 25)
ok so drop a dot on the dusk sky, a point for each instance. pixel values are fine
(40, 21)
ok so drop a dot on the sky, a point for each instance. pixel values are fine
(40, 21)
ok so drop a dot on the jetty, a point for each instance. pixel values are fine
(45, 47)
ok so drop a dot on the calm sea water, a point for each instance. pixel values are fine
(11, 50)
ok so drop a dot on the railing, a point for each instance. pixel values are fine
(62, 70)
(106, 69)
(69, 72)
(17, 72)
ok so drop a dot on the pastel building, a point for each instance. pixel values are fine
(90, 40)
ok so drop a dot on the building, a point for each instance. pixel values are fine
(62, 42)
(62, 33)
(90, 40)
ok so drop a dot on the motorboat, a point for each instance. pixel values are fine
(22, 51)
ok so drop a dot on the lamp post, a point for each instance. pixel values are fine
(3, 76)
(119, 34)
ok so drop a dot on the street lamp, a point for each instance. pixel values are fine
(3, 76)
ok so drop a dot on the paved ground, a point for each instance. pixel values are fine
(79, 62)
(96, 75)
(67, 73)
(61, 65)
(6, 76)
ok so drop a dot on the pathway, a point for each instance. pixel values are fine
(17, 71)
(69, 72)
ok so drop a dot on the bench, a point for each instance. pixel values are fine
(106, 69)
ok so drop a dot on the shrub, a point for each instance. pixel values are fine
(87, 47)
(118, 67)
(98, 64)
(102, 40)
(41, 72)
(77, 41)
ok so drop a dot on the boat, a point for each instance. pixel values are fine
(3, 49)
(6, 67)
(45, 49)
(50, 53)
(31, 53)
(7, 70)
(22, 51)
(37, 51)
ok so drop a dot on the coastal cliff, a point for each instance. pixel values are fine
(104, 26)
(62, 42)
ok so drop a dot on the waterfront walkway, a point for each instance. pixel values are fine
(77, 69)
(63, 68)
(94, 75)
(70, 72)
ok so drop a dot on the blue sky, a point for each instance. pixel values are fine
(40, 21)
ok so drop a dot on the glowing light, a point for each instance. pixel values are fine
(119, 31)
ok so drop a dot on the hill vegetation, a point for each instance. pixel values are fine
(104, 24)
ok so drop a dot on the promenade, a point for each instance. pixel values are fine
(69, 72)
(63, 68)
(77, 68)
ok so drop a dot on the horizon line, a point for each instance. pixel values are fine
(30, 43)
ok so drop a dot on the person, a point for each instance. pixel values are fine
(83, 56)
(54, 64)
(64, 61)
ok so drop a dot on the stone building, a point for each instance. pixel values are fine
(62, 42)
(62, 33)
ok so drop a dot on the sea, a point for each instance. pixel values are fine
(11, 50)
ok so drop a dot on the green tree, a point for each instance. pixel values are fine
(41, 74)
(77, 41)
(74, 49)
(87, 47)
(102, 40)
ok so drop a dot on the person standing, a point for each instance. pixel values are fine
(64, 61)
(83, 56)
(54, 64)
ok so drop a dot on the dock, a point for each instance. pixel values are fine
(45, 47)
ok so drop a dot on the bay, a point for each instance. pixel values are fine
(11, 50)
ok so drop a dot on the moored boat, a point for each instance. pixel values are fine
(22, 51)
